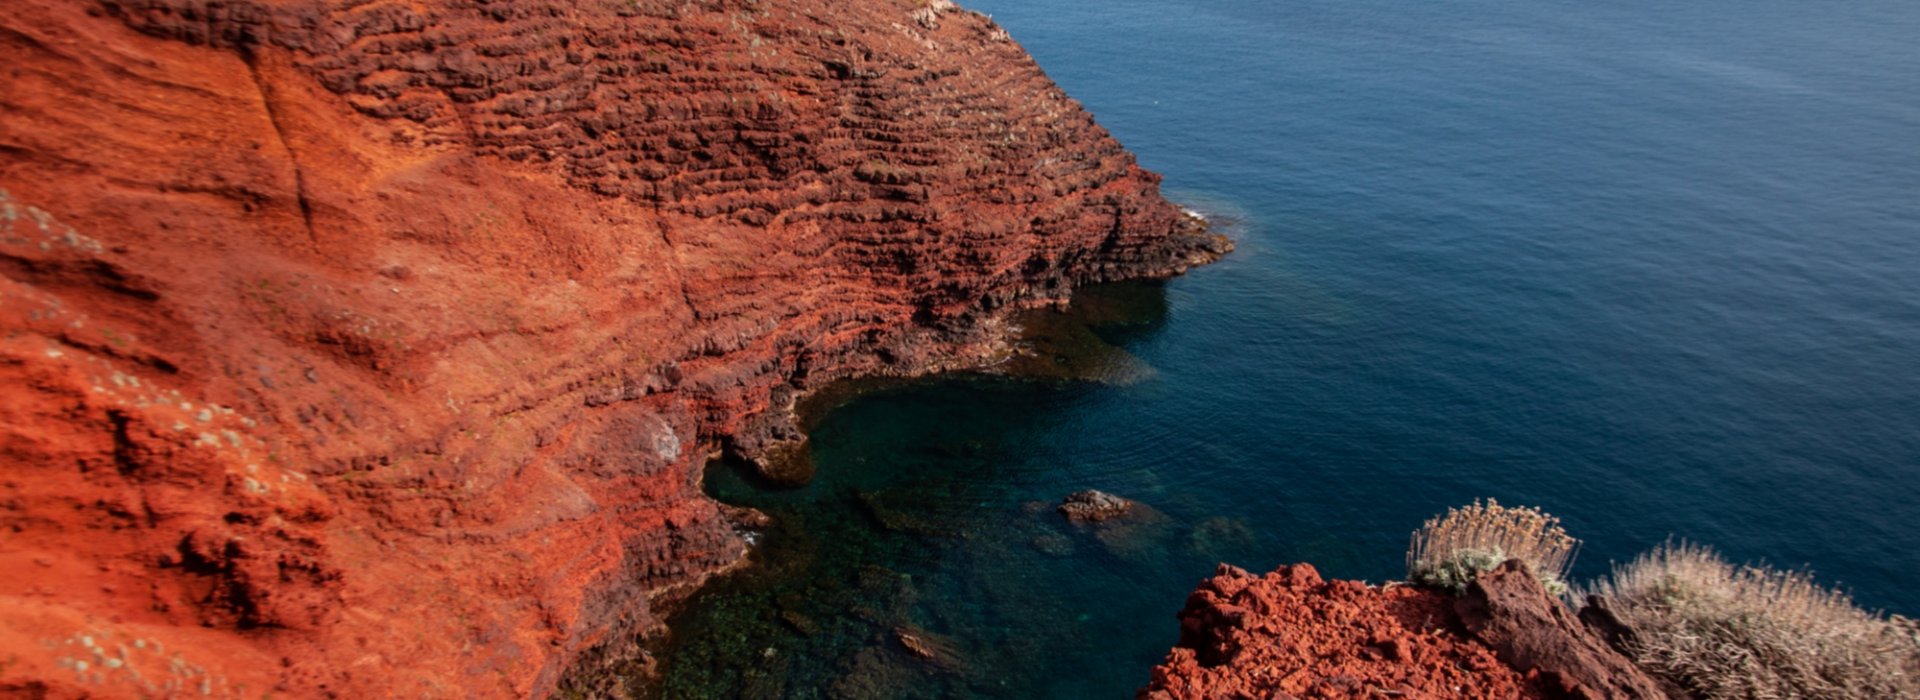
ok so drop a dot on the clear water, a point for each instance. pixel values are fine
(1652, 266)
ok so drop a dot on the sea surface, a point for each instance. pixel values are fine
(1651, 266)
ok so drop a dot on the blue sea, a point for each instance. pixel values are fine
(1653, 267)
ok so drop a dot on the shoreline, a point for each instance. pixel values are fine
(773, 443)
(392, 369)
(1019, 333)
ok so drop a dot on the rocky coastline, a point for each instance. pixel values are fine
(361, 349)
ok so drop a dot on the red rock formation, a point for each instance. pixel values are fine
(1511, 612)
(373, 348)
(1290, 634)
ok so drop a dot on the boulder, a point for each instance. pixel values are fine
(1511, 612)
(1091, 506)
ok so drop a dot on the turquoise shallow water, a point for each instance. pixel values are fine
(1654, 267)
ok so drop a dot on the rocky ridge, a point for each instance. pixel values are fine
(375, 348)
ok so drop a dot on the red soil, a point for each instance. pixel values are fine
(374, 348)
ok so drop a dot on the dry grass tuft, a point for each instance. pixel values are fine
(1449, 551)
(1725, 631)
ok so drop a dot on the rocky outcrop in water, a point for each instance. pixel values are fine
(1091, 506)
(1291, 634)
(374, 348)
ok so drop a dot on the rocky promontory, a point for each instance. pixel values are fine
(1292, 634)
(374, 348)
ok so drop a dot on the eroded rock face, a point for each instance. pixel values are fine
(1510, 611)
(374, 348)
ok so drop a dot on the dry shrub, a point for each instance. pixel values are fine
(1756, 633)
(1449, 551)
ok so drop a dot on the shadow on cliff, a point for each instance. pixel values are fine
(1084, 342)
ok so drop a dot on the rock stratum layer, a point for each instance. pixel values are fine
(1292, 634)
(374, 348)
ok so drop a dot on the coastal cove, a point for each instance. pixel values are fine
(554, 349)
(1623, 263)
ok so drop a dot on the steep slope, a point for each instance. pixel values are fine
(373, 347)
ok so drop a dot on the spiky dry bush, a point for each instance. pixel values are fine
(1450, 550)
(1756, 633)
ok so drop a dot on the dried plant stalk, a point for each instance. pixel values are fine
(1450, 550)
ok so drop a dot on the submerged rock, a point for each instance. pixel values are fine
(1125, 528)
(875, 672)
(1141, 535)
(1052, 544)
(1092, 506)
(905, 512)
(799, 622)
(913, 643)
(909, 662)
(939, 651)
(1060, 345)
(1219, 535)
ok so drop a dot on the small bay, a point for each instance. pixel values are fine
(1653, 267)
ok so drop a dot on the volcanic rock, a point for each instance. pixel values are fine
(1509, 611)
(375, 347)
(1091, 506)
(1291, 634)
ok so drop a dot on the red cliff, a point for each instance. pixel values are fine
(374, 348)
